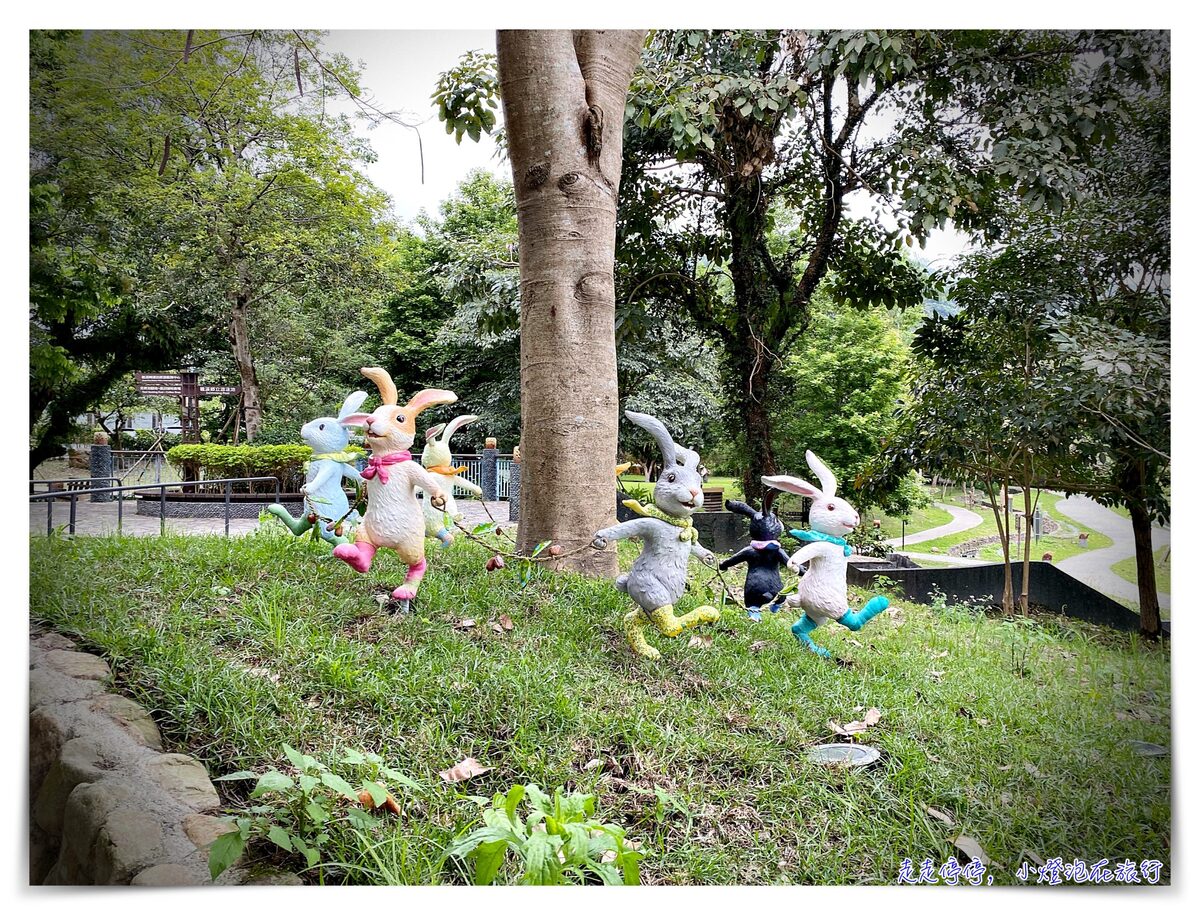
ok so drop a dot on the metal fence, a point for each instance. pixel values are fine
(73, 495)
(474, 464)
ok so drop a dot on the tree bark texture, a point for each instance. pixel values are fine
(239, 334)
(564, 94)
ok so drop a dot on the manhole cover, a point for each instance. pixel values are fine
(843, 754)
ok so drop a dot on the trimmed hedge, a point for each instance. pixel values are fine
(284, 462)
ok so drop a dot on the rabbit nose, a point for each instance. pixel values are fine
(695, 492)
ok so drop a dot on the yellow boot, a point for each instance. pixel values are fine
(704, 614)
(635, 622)
(666, 621)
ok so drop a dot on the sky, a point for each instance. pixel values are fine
(401, 68)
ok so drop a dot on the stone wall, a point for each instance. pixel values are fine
(215, 508)
(107, 804)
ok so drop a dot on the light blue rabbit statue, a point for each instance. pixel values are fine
(325, 502)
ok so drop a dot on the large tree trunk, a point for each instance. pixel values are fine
(239, 333)
(564, 111)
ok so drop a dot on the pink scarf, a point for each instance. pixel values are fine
(378, 464)
(757, 544)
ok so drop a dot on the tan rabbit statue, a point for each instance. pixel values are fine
(436, 458)
(394, 519)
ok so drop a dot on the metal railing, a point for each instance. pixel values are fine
(69, 485)
(50, 497)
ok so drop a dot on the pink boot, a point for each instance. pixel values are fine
(357, 555)
(415, 573)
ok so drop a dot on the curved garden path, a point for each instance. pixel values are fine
(1095, 566)
(960, 520)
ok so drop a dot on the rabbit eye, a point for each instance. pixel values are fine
(830, 506)
(321, 427)
(670, 478)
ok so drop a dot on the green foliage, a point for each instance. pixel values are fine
(837, 393)
(558, 841)
(305, 813)
(210, 189)
(220, 461)
(466, 96)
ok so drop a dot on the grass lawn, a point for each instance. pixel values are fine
(922, 520)
(1127, 569)
(1019, 730)
(1061, 547)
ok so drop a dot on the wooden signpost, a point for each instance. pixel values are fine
(187, 387)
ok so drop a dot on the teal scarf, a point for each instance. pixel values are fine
(812, 536)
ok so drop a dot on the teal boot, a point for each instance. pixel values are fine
(801, 629)
(855, 620)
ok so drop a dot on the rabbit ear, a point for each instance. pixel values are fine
(383, 381)
(351, 403)
(356, 419)
(769, 500)
(432, 431)
(665, 443)
(824, 474)
(423, 400)
(740, 508)
(795, 485)
(455, 424)
(687, 457)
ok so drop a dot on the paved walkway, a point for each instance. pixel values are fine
(1094, 567)
(100, 518)
(961, 520)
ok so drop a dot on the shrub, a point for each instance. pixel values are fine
(284, 462)
(558, 842)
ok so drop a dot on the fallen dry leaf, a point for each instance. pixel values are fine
(1005, 798)
(942, 654)
(466, 623)
(1034, 857)
(970, 848)
(759, 645)
(870, 719)
(936, 675)
(940, 815)
(1032, 770)
(591, 764)
(464, 770)
(497, 628)
(700, 641)
(505, 622)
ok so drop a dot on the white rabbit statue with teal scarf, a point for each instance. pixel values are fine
(822, 592)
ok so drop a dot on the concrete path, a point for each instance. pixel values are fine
(100, 518)
(1094, 567)
(961, 520)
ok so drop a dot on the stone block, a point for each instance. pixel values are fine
(184, 779)
(133, 718)
(48, 686)
(170, 874)
(81, 761)
(77, 664)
